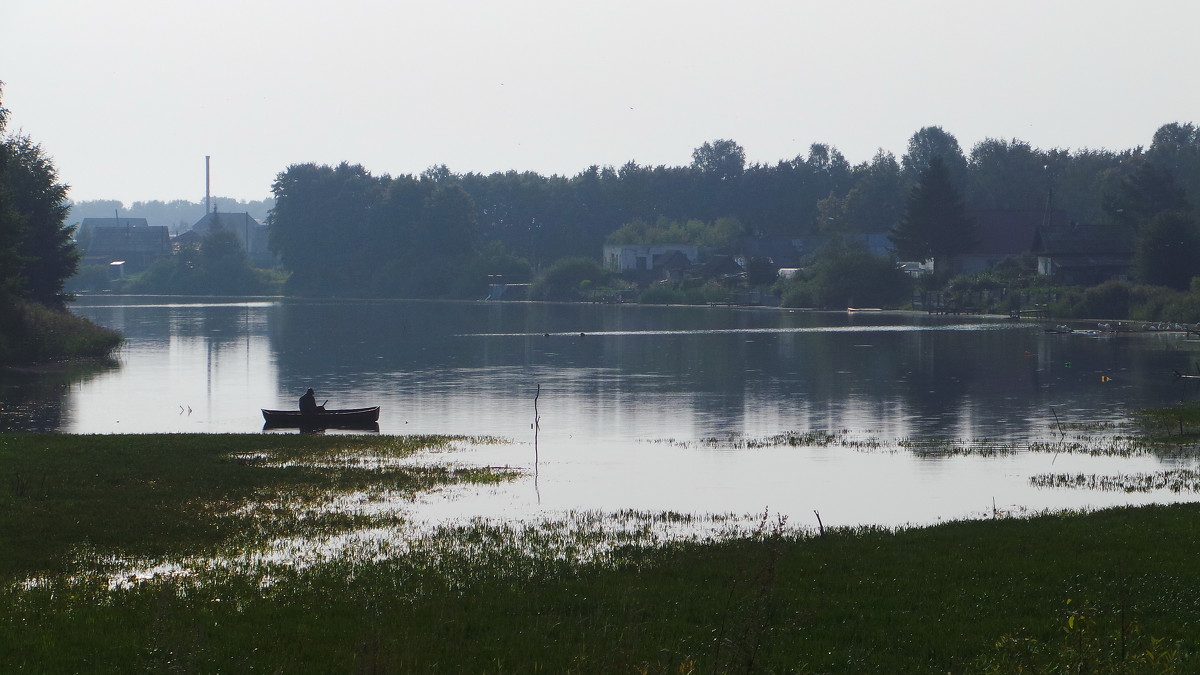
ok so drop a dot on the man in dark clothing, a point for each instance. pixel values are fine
(308, 403)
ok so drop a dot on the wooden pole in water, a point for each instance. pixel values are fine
(537, 419)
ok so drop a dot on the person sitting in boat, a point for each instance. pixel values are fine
(308, 403)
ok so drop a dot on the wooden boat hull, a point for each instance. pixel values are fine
(365, 419)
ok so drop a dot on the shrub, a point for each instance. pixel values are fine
(564, 280)
(1110, 300)
(33, 333)
(662, 294)
(849, 278)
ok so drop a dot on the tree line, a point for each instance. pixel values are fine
(341, 229)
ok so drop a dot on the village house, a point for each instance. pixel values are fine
(127, 245)
(1070, 252)
(1084, 255)
(1003, 235)
(250, 233)
(644, 258)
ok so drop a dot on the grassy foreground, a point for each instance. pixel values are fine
(1116, 591)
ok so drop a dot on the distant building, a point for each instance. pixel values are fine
(250, 233)
(779, 251)
(1070, 252)
(135, 247)
(1084, 255)
(644, 258)
(1002, 235)
(91, 224)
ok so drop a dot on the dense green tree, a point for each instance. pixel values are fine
(37, 253)
(828, 170)
(569, 279)
(847, 275)
(1008, 175)
(1168, 251)
(935, 224)
(722, 159)
(1176, 148)
(494, 261)
(722, 233)
(12, 229)
(217, 266)
(1077, 182)
(876, 202)
(1150, 190)
(225, 267)
(713, 188)
(443, 245)
(449, 221)
(320, 226)
(929, 143)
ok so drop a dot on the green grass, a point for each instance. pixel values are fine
(154, 495)
(584, 592)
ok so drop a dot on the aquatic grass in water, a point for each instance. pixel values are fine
(1180, 420)
(982, 447)
(810, 439)
(1176, 480)
(192, 494)
(301, 555)
(481, 597)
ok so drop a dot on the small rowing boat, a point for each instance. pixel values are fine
(366, 419)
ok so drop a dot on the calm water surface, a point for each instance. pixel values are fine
(627, 395)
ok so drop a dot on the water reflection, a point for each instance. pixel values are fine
(34, 399)
(617, 371)
(615, 380)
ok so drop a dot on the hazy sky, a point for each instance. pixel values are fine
(128, 96)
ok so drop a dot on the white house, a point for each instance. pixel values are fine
(638, 257)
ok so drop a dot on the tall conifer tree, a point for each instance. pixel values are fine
(935, 224)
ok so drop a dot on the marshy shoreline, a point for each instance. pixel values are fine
(206, 552)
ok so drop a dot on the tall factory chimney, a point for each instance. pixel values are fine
(207, 210)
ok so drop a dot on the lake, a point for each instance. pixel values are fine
(646, 408)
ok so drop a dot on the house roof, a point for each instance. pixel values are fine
(89, 224)
(1084, 240)
(1091, 261)
(151, 239)
(1012, 232)
(114, 222)
(234, 221)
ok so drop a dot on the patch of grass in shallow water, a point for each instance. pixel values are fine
(981, 447)
(1176, 480)
(811, 439)
(147, 495)
(584, 592)
(486, 597)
